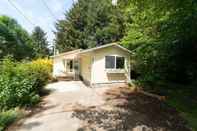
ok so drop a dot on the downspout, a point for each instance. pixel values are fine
(91, 69)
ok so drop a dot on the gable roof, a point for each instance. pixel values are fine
(68, 53)
(81, 51)
(105, 46)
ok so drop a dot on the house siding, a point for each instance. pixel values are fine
(58, 66)
(92, 65)
(99, 73)
(85, 68)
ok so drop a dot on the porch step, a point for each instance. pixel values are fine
(65, 78)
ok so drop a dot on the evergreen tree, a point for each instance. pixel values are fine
(90, 23)
(40, 42)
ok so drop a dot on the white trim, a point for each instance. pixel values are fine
(81, 51)
(110, 82)
(116, 71)
(123, 48)
(129, 68)
(67, 53)
(104, 46)
(91, 69)
(115, 62)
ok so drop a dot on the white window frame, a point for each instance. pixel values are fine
(115, 62)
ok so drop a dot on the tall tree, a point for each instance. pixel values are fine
(90, 23)
(163, 37)
(40, 42)
(14, 40)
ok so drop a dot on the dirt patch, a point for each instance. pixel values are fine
(126, 110)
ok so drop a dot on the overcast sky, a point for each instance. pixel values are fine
(37, 12)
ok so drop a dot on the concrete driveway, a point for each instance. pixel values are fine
(74, 107)
(55, 113)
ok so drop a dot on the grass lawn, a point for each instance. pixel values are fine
(180, 97)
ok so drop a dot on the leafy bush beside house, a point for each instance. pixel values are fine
(39, 69)
(21, 83)
(20, 86)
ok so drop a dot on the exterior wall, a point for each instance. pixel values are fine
(85, 68)
(58, 66)
(92, 66)
(99, 73)
(60, 62)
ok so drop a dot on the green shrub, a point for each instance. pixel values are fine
(7, 117)
(15, 91)
(40, 71)
(21, 83)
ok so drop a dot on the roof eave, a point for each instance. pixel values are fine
(67, 53)
(104, 46)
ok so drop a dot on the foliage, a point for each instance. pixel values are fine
(41, 70)
(162, 37)
(90, 23)
(40, 42)
(7, 117)
(44, 62)
(21, 83)
(14, 40)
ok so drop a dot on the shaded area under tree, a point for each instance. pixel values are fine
(126, 111)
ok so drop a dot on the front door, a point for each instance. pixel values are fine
(69, 66)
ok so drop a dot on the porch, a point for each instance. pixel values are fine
(66, 66)
(71, 68)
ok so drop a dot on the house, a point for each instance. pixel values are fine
(105, 64)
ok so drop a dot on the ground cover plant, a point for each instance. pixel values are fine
(21, 85)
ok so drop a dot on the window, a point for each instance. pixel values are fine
(109, 62)
(114, 62)
(120, 62)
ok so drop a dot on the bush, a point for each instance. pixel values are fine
(21, 83)
(39, 69)
(7, 117)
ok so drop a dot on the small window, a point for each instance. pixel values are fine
(110, 62)
(120, 61)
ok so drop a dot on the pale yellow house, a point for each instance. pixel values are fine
(100, 65)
